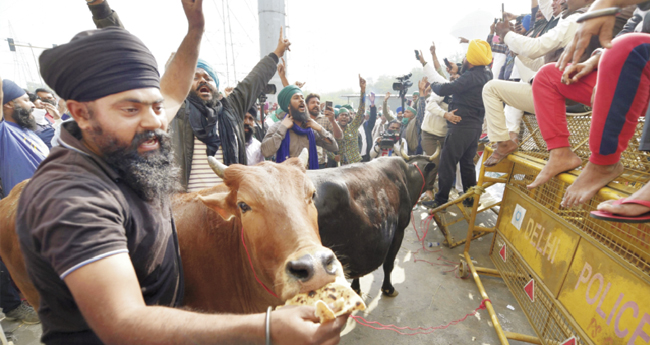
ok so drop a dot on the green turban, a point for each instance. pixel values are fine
(416, 93)
(348, 107)
(284, 97)
(411, 109)
(343, 110)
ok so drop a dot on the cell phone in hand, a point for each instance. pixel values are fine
(328, 104)
(496, 20)
(417, 55)
(446, 62)
(503, 12)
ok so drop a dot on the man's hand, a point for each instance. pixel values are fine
(362, 84)
(287, 121)
(314, 125)
(574, 72)
(387, 96)
(422, 86)
(372, 98)
(281, 68)
(329, 113)
(52, 110)
(601, 26)
(452, 117)
(432, 49)
(453, 69)
(502, 28)
(337, 158)
(283, 45)
(422, 60)
(194, 13)
(300, 84)
(492, 27)
(463, 40)
(227, 91)
(299, 325)
(509, 16)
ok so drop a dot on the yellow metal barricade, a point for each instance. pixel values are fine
(578, 280)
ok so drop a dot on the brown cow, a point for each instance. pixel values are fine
(273, 203)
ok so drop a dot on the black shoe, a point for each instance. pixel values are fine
(578, 109)
(469, 202)
(430, 204)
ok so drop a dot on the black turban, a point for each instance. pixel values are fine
(98, 63)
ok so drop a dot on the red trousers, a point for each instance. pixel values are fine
(622, 95)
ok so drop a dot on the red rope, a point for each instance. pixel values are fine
(420, 330)
(252, 268)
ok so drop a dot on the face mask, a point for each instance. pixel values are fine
(39, 116)
(405, 121)
(390, 132)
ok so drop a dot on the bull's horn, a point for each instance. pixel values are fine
(402, 152)
(435, 154)
(218, 167)
(304, 157)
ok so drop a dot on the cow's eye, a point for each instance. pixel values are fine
(244, 207)
(313, 195)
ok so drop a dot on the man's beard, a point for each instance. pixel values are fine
(248, 132)
(24, 118)
(464, 67)
(152, 175)
(315, 113)
(299, 116)
(215, 95)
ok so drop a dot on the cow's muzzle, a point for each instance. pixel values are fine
(309, 265)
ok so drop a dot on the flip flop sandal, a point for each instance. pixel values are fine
(642, 218)
(499, 156)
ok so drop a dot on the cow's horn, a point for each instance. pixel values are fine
(435, 154)
(402, 152)
(218, 167)
(304, 157)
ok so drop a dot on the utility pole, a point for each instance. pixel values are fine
(272, 15)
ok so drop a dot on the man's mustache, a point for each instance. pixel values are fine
(202, 84)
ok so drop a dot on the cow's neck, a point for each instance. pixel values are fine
(218, 277)
(416, 181)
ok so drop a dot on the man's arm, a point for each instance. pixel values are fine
(274, 136)
(175, 84)
(282, 73)
(385, 111)
(446, 89)
(336, 129)
(109, 297)
(325, 139)
(246, 92)
(103, 15)
(358, 119)
(533, 48)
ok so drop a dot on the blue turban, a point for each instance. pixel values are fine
(204, 65)
(11, 91)
(526, 22)
(398, 110)
(284, 97)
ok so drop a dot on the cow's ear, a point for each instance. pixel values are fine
(218, 202)
(429, 167)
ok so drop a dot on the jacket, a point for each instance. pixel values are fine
(467, 94)
(235, 107)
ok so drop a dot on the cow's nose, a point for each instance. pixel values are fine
(328, 259)
(301, 269)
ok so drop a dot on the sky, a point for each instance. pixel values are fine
(332, 41)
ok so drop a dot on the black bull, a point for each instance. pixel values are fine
(364, 208)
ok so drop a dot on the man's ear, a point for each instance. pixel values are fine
(218, 202)
(79, 112)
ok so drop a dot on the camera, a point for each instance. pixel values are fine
(403, 83)
(388, 139)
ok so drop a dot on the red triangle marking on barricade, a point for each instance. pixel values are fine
(529, 288)
(570, 341)
(502, 252)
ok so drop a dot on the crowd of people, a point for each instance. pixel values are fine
(124, 122)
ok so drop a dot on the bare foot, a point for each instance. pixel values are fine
(504, 148)
(592, 178)
(560, 160)
(628, 209)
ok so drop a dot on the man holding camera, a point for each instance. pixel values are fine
(388, 144)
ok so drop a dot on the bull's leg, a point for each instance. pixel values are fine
(387, 287)
(356, 286)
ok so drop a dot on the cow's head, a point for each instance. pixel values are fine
(428, 165)
(274, 203)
